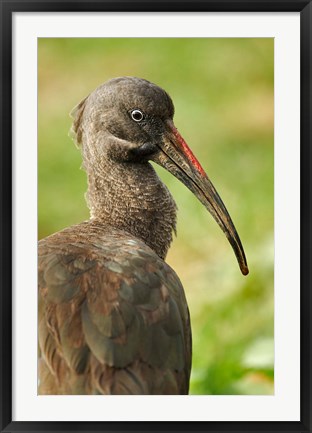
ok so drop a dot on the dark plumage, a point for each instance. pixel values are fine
(113, 317)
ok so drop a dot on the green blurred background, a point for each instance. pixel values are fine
(223, 95)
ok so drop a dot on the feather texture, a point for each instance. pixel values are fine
(113, 316)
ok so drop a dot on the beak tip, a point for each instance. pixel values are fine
(244, 269)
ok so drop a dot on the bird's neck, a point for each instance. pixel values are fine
(131, 197)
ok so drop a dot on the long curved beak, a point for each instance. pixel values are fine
(176, 157)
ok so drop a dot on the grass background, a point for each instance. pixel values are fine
(223, 95)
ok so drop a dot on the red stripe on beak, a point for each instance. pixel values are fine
(187, 151)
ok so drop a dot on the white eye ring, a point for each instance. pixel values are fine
(137, 115)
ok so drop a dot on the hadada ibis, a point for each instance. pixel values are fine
(113, 317)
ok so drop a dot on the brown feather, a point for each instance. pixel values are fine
(115, 329)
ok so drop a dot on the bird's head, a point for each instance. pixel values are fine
(129, 119)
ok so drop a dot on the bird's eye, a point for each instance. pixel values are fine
(137, 115)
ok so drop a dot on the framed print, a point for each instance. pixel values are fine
(96, 328)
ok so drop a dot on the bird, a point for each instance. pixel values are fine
(113, 318)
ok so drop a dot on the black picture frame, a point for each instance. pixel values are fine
(7, 9)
